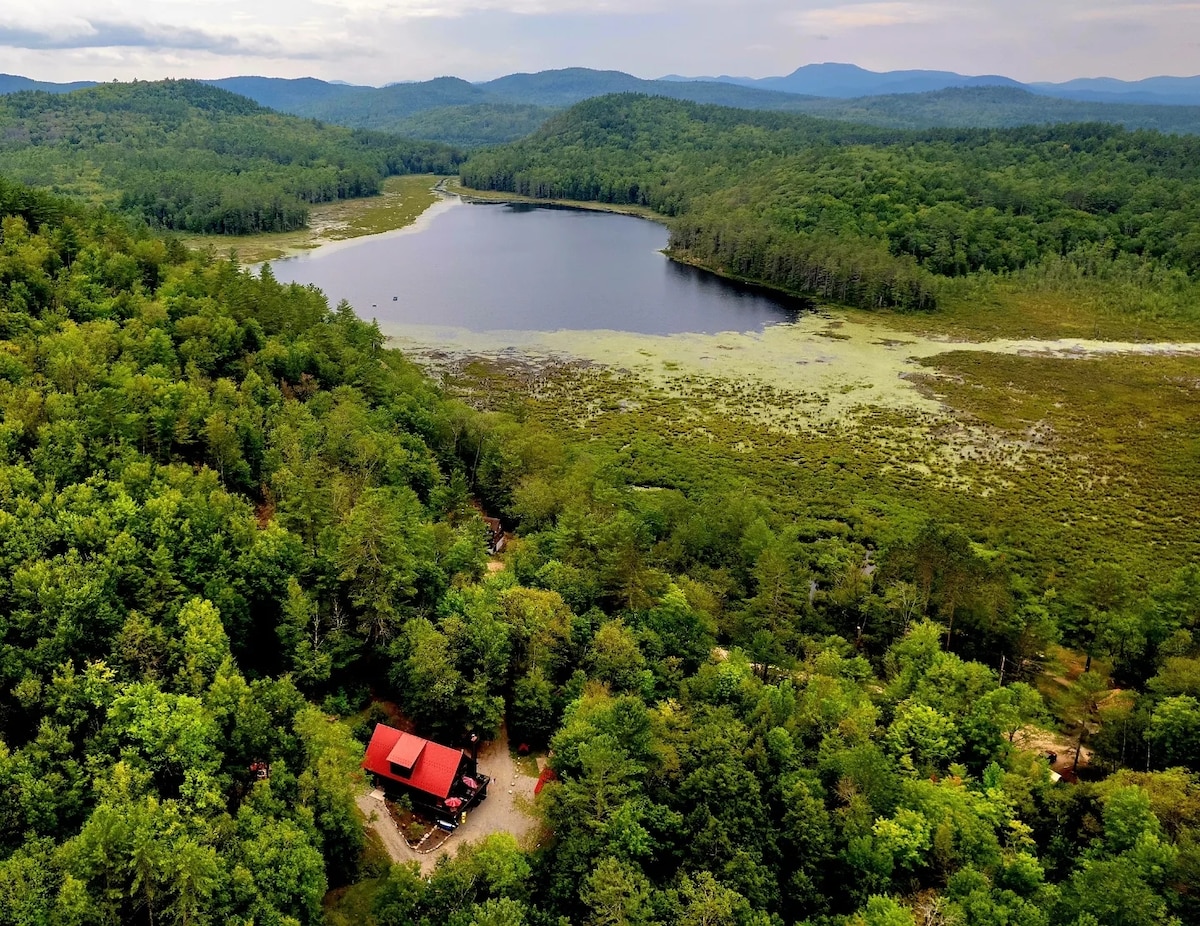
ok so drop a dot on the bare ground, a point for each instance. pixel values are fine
(508, 808)
(1040, 741)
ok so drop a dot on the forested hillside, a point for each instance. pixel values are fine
(12, 83)
(194, 465)
(223, 504)
(869, 216)
(832, 79)
(459, 113)
(473, 126)
(190, 157)
(998, 107)
(487, 123)
(455, 112)
(452, 110)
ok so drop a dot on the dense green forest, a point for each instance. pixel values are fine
(190, 157)
(867, 216)
(487, 123)
(473, 126)
(456, 112)
(231, 518)
(998, 107)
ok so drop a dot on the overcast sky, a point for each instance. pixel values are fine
(378, 41)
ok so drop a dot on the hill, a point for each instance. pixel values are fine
(391, 108)
(188, 156)
(1172, 91)
(470, 126)
(11, 83)
(286, 95)
(832, 79)
(431, 109)
(456, 112)
(999, 107)
(848, 80)
(868, 216)
(570, 85)
(381, 108)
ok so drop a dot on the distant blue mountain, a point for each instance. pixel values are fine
(286, 94)
(1162, 90)
(847, 81)
(388, 107)
(11, 83)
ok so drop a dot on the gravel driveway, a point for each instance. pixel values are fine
(508, 808)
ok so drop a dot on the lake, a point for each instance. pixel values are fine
(509, 267)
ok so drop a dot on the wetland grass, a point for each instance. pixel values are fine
(401, 203)
(1055, 461)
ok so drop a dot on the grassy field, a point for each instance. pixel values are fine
(401, 203)
(1009, 310)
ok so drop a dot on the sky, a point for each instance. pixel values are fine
(380, 41)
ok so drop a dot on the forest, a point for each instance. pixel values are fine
(454, 111)
(871, 217)
(185, 156)
(233, 521)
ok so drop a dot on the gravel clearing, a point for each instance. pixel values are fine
(508, 809)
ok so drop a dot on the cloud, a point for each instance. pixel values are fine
(105, 34)
(846, 17)
(379, 41)
(1123, 12)
(455, 9)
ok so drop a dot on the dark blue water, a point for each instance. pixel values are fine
(528, 268)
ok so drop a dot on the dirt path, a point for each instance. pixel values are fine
(381, 822)
(508, 808)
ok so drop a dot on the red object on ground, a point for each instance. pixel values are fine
(431, 767)
(547, 775)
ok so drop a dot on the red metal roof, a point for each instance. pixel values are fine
(406, 751)
(434, 767)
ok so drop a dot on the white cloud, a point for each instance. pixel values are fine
(1130, 12)
(376, 41)
(849, 16)
(454, 9)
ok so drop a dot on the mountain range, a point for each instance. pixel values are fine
(849, 80)
(825, 80)
(458, 112)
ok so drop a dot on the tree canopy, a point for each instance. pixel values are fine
(187, 156)
(866, 216)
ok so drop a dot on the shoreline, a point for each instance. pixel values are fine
(470, 195)
(404, 200)
(418, 198)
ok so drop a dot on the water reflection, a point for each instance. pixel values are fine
(533, 268)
